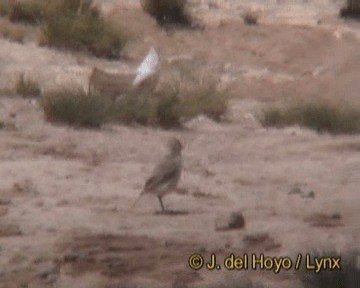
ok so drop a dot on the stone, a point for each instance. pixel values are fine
(232, 221)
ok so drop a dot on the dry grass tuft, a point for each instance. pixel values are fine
(71, 25)
(147, 108)
(167, 11)
(12, 31)
(206, 100)
(170, 106)
(351, 9)
(135, 108)
(27, 87)
(74, 107)
(173, 102)
(251, 18)
(319, 115)
(28, 12)
(4, 7)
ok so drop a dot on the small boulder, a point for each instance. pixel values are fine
(310, 195)
(296, 190)
(235, 220)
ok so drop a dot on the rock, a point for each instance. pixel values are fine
(310, 195)
(325, 220)
(295, 190)
(235, 220)
(148, 70)
(71, 257)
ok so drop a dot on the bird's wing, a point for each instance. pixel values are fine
(167, 170)
(147, 67)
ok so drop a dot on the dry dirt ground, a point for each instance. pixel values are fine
(65, 194)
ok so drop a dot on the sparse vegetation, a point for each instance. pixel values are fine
(12, 31)
(352, 9)
(135, 108)
(28, 12)
(160, 108)
(166, 108)
(4, 7)
(180, 96)
(167, 11)
(27, 87)
(250, 18)
(318, 115)
(198, 91)
(170, 106)
(71, 25)
(204, 99)
(75, 107)
(346, 277)
(7, 91)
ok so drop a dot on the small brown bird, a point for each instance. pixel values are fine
(166, 174)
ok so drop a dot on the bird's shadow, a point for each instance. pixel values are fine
(172, 212)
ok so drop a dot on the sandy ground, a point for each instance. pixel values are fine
(65, 193)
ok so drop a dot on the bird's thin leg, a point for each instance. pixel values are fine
(161, 203)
